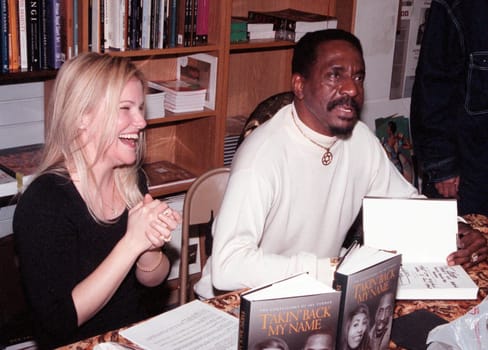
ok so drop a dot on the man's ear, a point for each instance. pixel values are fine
(297, 82)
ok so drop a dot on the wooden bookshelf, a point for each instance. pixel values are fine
(247, 73)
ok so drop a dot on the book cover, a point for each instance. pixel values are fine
(200, 69)
(164, 173)
(424, 231)
(287, 313)
(367, 278)
(394, 134)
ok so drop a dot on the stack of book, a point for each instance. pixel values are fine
(154, 103)
(181, 96)
(260, 30)
(290, 24)
(238, 29)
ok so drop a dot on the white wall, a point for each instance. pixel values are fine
(375, 25)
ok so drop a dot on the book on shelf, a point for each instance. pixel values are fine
(194, 325)
(199, 69)
(22, 24)
(262, 35)
(13, 36)
(288, 311)
(55, 57)
(164, 173)
(290, 20)
(181, 96)
(154, 103)
(4, 36)
(424, 231)
(367, 278)
(33, 11)
(203, 8)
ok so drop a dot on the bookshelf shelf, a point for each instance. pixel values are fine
(247, 73)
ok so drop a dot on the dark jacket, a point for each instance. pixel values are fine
(449, 106)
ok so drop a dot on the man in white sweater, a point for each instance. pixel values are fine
(297, 182)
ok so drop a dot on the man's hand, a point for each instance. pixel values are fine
(448, 188)
(472, 247)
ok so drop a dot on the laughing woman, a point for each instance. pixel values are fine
(88, 235)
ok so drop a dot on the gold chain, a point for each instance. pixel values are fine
(328, 156)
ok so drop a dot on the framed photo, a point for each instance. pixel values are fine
(202, 69)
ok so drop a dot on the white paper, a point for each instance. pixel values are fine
(195, 325)
(422, 230)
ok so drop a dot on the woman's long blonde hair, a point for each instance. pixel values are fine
(89, 83)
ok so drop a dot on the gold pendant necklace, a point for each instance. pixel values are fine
(327, 157)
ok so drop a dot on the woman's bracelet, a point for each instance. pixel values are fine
(144, 269)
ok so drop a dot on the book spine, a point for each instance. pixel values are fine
(194, 15)
(13, 36)
(54, 52)
(95, 26)
(4, 36)
(340, 285)
(172, 20)
(146, 25)
(76, 24)
(202, 22)
(244, 320)
(33, 34)
(43, 31)
(24, 62)
(161, 25)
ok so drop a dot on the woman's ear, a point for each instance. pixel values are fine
(85, 121)
(297, 82)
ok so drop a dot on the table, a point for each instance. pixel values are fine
(447, 309)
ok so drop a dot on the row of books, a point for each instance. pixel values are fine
(30, 34)
(287, 24)
(36, 35)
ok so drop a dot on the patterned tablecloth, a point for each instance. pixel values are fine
(447, 309)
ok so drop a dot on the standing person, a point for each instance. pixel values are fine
(298, 181)
(88, 237)
(380, 332)
(449, 105)
(355, 333)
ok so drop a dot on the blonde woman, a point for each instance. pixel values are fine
(88, 237)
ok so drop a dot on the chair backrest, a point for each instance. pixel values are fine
(265, 110)
(201, 204)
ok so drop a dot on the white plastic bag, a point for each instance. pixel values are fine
(469, 332)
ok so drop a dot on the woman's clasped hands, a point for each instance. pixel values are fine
(154, 220)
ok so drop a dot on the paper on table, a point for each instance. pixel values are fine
(195, 325)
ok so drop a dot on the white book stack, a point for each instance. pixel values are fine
(154, 103)
(181, 96)
(260, 31)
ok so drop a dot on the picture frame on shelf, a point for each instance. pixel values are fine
(200, 68)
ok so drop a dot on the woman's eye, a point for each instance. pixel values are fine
(125, 108)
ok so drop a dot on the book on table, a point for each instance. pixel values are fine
(424, 231)
(288, 311)
(195, 325)
(367, 277)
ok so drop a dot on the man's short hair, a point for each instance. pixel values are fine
(305, 52)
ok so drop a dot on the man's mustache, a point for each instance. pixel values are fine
(344, 101)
